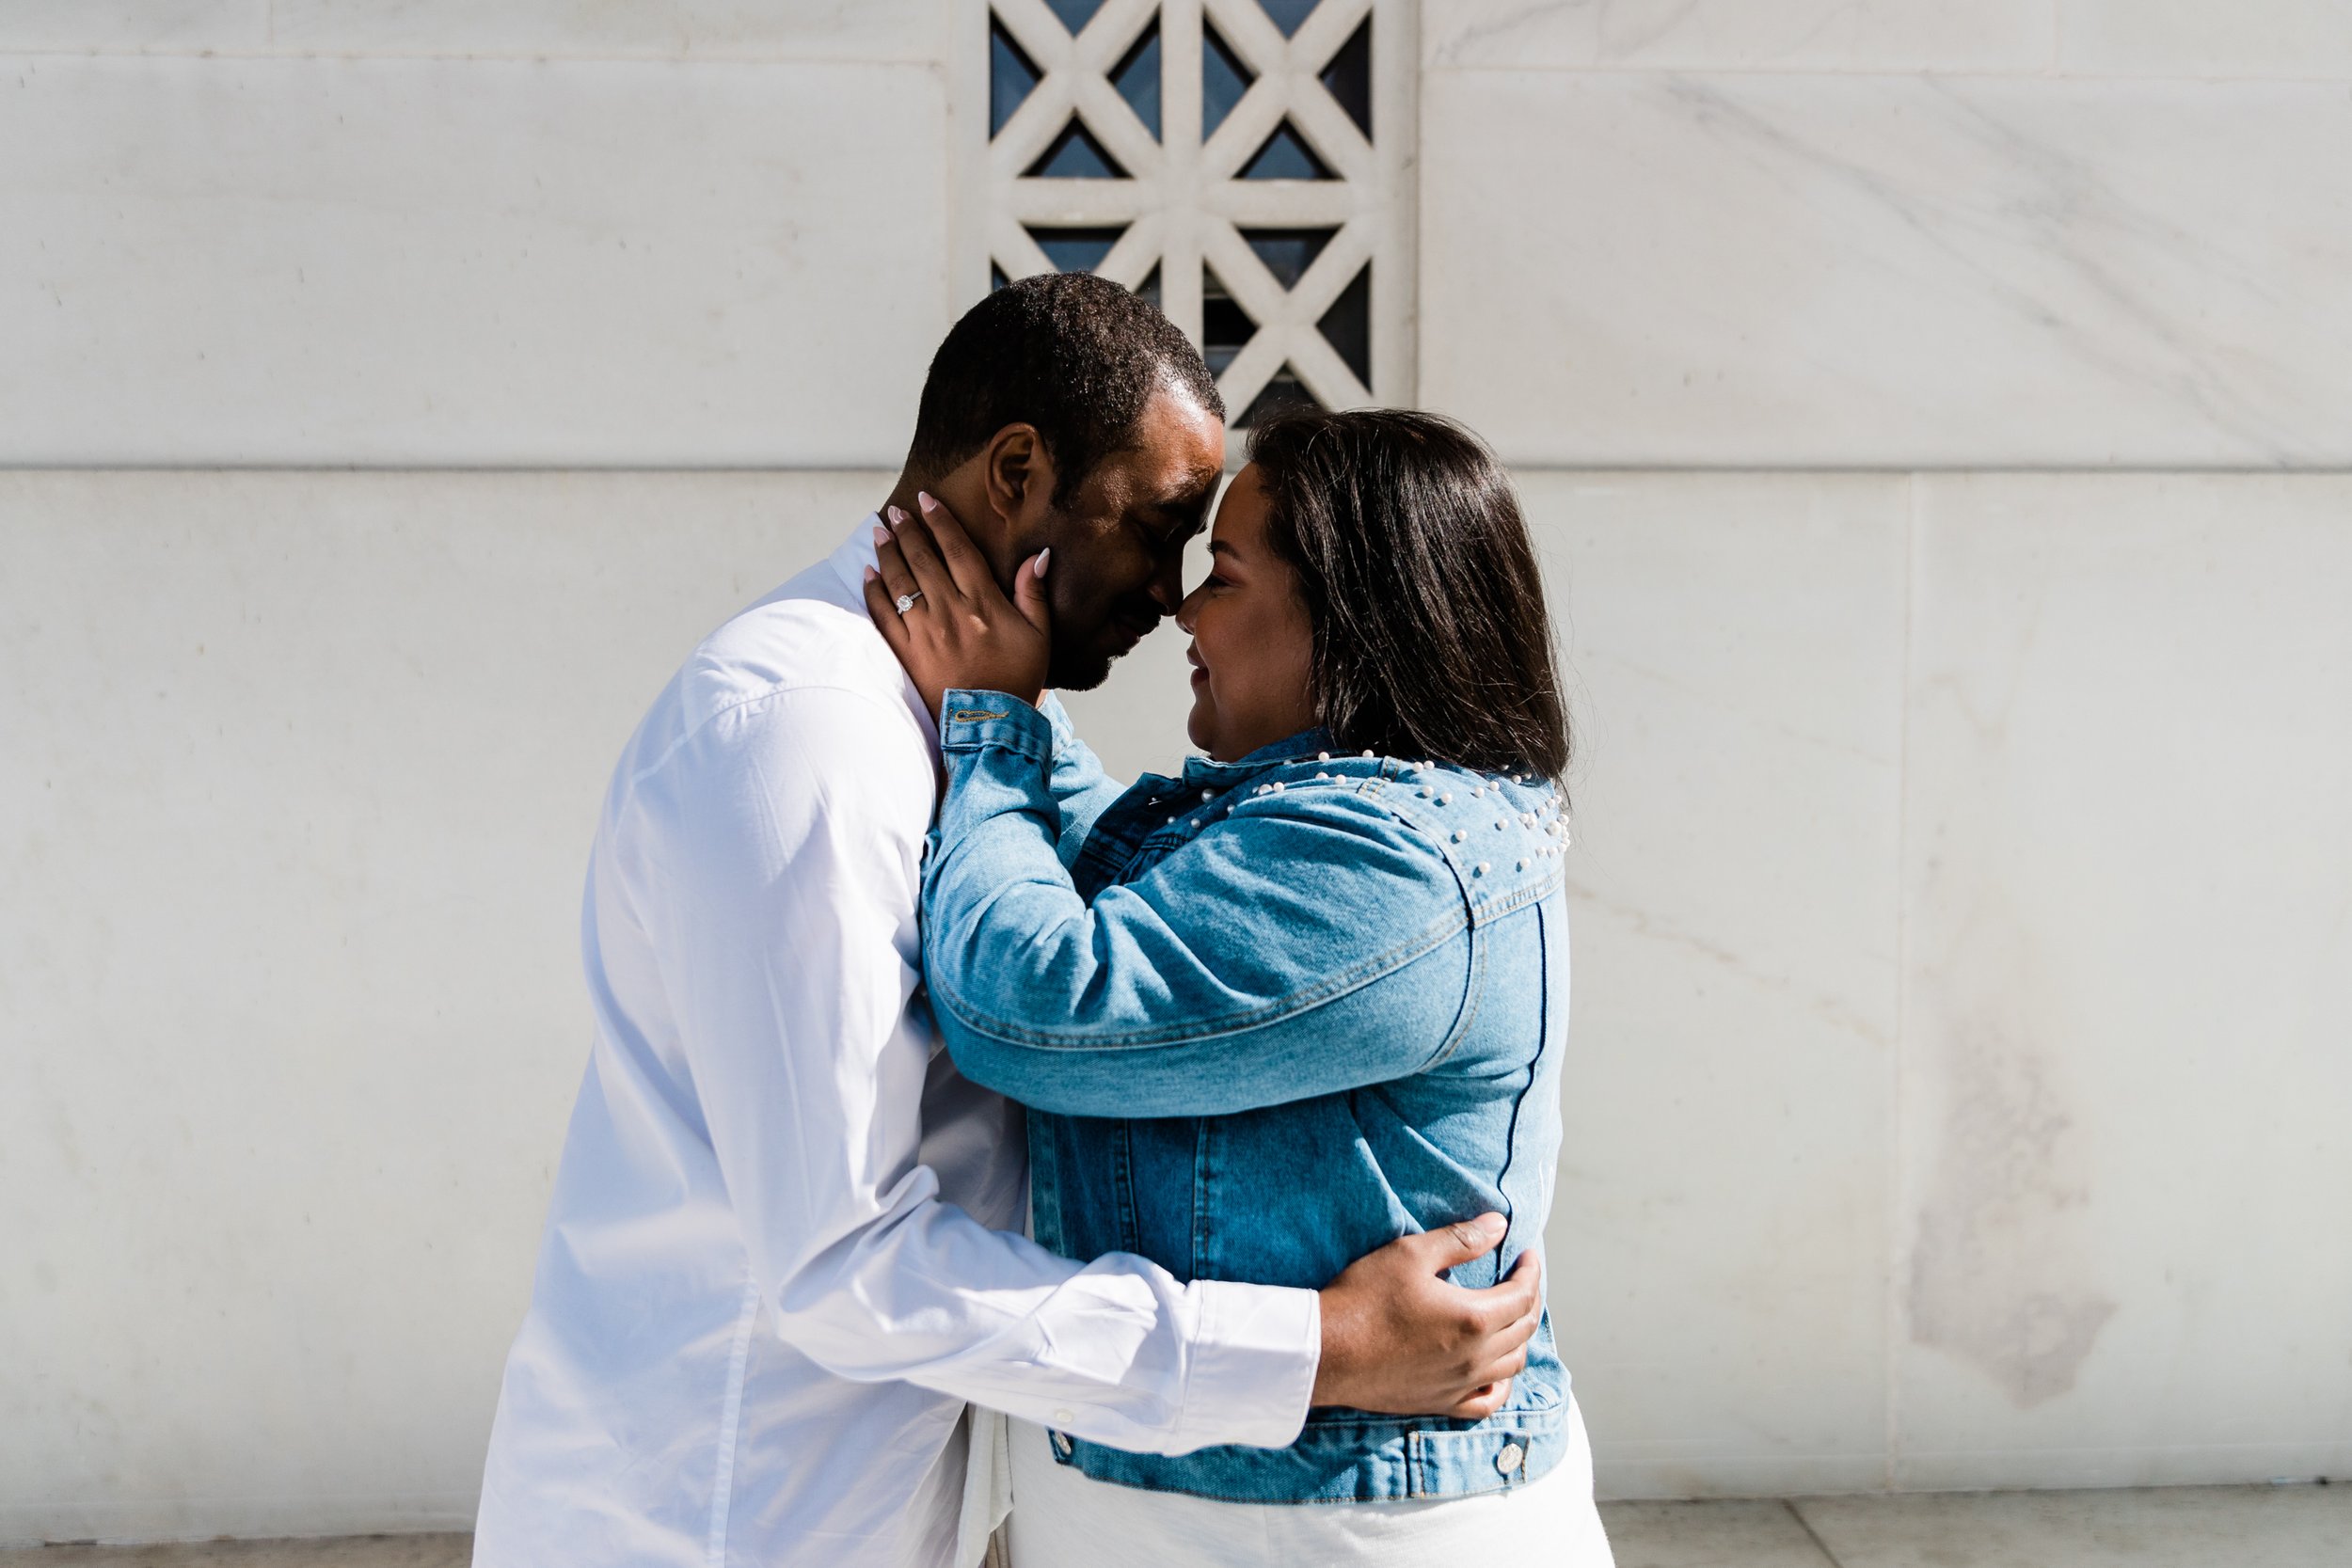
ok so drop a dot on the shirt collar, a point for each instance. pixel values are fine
(849, 563)
(857, 553)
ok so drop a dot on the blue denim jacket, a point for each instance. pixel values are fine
(1268, 1016)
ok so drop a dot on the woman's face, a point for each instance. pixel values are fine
(1252, 649)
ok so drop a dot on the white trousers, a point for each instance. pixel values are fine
(1063, 1518)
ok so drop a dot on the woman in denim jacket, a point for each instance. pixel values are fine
(1306, 997)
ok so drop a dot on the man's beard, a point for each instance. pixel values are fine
(1075, 666)
(1069, 669)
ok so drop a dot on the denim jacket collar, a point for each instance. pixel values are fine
(1296, 748)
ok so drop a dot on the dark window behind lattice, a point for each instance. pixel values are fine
(1285, 156)
(1287, 312)
(1223, 80)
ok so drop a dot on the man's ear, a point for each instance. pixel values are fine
(1018, 473)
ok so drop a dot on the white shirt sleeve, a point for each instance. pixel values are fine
(776, 879)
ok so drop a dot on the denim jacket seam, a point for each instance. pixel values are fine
(1519, 899)
(1239, 1496)
(978, 747)
(1366, 971)
(1544, 1428)
(1516, 1418)
(1518, 1100)
(1474, 994)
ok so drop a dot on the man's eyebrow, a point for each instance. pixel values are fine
(1191, 498)
(1176, 519)
(1195, 489)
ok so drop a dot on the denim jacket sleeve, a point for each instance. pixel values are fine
(1300, 946)
(1081, 788)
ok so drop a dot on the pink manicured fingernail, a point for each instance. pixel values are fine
(1042, 556)
(898, 516)
(923, 500)
(881, 536)
(871, 574)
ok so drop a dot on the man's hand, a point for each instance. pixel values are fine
(1398, 1338)
(958, 629)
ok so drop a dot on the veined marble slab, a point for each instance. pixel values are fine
(1792, 271)
(2041, 776)
(298, 782)
(165, 26)
(1720, 1237)
(902, 30)
(898, 30)
(1741, 35)
(2207, 38)
(2129, 927)
(466, 263)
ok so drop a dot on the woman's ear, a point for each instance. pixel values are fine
(1018, 473)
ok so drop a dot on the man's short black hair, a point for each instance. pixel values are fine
(1075, 354)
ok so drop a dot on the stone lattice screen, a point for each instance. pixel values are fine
(1244, 163)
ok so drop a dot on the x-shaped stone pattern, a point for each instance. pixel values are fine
(1185, 201)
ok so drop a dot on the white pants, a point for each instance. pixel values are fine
(1063, 1518)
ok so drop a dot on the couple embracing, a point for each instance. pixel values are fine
(964, 1131)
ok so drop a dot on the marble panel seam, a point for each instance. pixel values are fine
(507, 57)
(1693, 68)
(1940, 74)
(1898, 1196)
(850, 466)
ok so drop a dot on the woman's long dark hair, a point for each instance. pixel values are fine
(1431, 639)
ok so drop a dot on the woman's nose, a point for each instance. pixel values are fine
(1183, 612)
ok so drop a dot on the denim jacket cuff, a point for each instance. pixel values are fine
(971, 721)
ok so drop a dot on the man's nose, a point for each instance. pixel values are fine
(1168, 585)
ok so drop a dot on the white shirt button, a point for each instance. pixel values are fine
(1510, 1458)
(1065, 1415)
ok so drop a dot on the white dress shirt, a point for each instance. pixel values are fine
(758, 1310)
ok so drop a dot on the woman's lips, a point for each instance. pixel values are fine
(1199, 671)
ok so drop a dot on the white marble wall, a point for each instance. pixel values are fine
(1960, 873)
(2127, 925)
(1961, 881)
(1720, 1241)
(1796, 270)
(486, 261)
(300, 772)
(1960, 973)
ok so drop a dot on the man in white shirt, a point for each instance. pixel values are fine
(783, 1249)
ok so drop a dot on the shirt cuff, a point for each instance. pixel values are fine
(1254, 1365)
